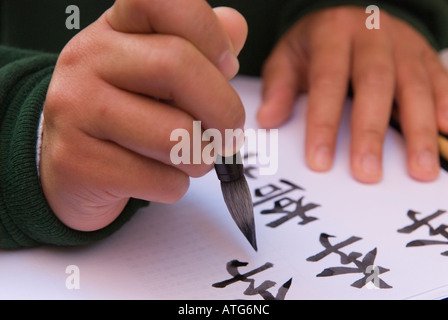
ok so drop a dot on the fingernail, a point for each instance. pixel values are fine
(427, 160)
(371, 165)
(228, 65)
(322, 158)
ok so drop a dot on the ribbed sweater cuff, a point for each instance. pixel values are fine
(25, 217)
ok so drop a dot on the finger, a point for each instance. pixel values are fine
(418, 118)
(328, 84)
(439, 80)
(99, 181)
(194, 21)
(281, 83)
(235, 26)
(149, 128)
(373, 84)
(123, 174)
(173, 69)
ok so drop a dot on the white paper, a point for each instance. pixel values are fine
(179, 251)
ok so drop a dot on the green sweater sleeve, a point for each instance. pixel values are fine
(25, 217)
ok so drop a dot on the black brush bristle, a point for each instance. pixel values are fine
(239, 202)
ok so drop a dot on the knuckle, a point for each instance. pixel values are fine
(371, 133)
(175, 54)
(323, 127)
(58, 102)
(81, 48)
(415, 85)
(377, 75)
(72, 53)
(323, 80)
(413, 79)
(59, 157)
(425, 132)
(328, 80)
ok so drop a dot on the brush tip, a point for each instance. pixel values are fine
(248, 231)
(239, 202)
(254, 245)
(250, 234)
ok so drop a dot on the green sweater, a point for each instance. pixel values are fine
(32, 32)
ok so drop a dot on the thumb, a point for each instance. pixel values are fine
(281, 84)
(235, 25)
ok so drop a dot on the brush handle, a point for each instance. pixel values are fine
(229, 169)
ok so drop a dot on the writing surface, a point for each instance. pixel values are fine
(183, 250)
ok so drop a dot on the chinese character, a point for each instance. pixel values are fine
(441, 230)
(262, 290)
(298, 211)
(271, 191)
(364, 266)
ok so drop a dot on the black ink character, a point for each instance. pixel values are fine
(365, 266)
(298, 211)
(271, 191)
(442, 230)
(262, 290)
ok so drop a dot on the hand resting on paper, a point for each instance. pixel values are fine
(325, 50)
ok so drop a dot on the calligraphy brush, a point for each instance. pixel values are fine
(236, 194)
